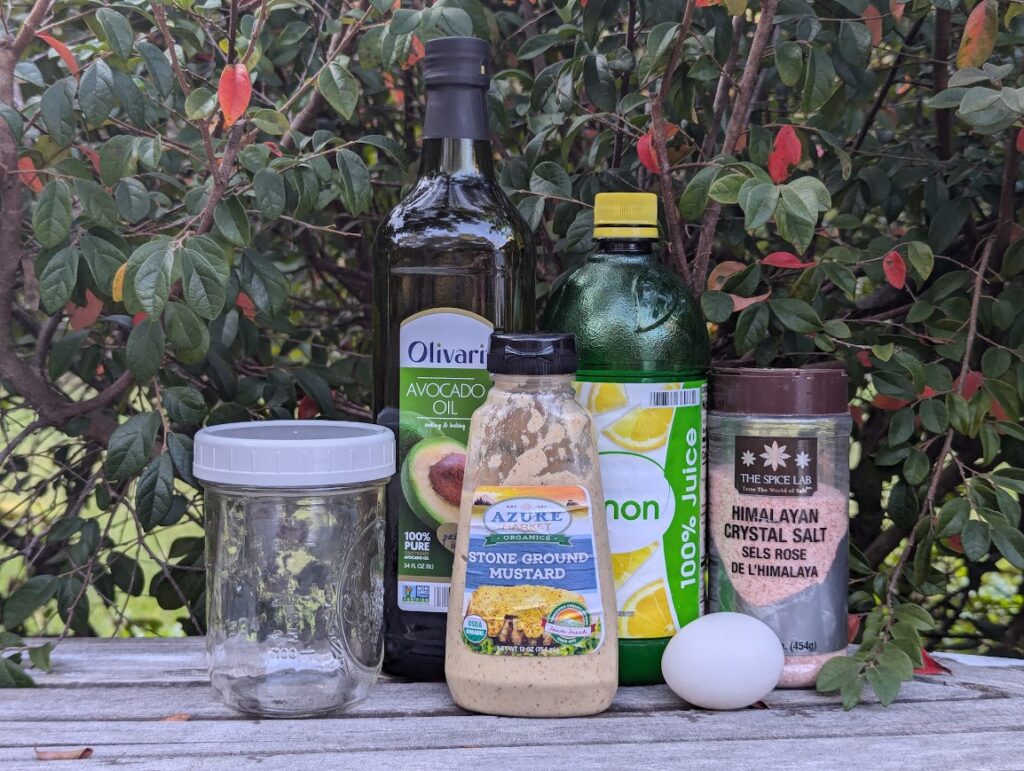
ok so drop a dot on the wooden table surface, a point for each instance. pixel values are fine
(114, 696)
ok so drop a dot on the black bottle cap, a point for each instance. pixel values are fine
(751, 391)
(457, 61)
(532, 353)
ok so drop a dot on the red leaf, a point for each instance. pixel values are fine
(853, 626)
(62, 51)
(139, 317)
(927, 392)
(307, 408)
(979, 35)
(274, 149)
(786, 260)
(1020, 141)
(416, 52)
(931, 666)
(882, 401)
(234, 92)
(873, 21)
(973, 381)
(85, 315)
(896, 8)
(857, 414)
(722, 272)
(92, 155)
(708, 3)
(956, 543)
(895, 269)
(645, 148)
(244, 303)
(739, 303)
(787, 152)
(28, 175)
(862, 357)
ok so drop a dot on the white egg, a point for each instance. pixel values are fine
(723, 661)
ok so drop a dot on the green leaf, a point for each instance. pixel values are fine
(96, 93)
(102, 260)
(952, 517)
(97, 205)
(837, 328)
(388, 146)
(132, 198)
(995, 362)
(551, 179)
(354, 181)
(159, 67)
(13, 676)
(726, 189)
(154, 491)
(266, 286)
(200, 104)
(184, 405)
(118, 159)
(27, 599)
(1010, 542)
(51, 220)
(145, 349)
(901, 426)
(921, 258)
(796, 223)
(13, 120)
(130, 446)
(117, 32)
(186, 332)
(812, 193)
(268, 188)
(915, 615)
(883, 352)
(717, 306)
(916, 467)
(933, 415)
(976, 538)
(819, 80)
(204, 276)
(271, 121)
(179, 447)
(39, 655)
(599, 82)
(56, 111)
(751, 327)
(789, 61)
(695, 196)
(150, 271)
(126, 573)
(796, 315)
(58, 279)
(836, 672)
(232, 221)
(340, 88)
(758, 200)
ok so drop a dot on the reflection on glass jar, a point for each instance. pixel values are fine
(295, 590)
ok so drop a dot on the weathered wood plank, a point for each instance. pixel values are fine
(972, 750)
(153, 702)
(201, 737)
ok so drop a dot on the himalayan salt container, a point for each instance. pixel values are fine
(779, 482)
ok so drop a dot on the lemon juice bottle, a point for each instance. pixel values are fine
(643, 361)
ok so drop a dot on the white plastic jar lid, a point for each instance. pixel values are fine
(294, 453)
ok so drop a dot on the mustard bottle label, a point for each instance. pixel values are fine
(531, 575)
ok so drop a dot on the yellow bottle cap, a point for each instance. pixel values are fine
(625, 215)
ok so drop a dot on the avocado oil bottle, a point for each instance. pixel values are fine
(643, 361)
(453, 261)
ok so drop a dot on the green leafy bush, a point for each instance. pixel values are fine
(187, 193)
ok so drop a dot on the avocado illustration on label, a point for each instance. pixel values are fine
(411, 430)
(432, 480)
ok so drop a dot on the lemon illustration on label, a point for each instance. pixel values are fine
(625, 564)
(642, 429)
(647, 614)
(607, 397)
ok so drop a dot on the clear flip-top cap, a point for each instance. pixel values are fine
(294, 453)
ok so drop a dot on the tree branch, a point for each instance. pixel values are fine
(620, 133)
(676, 245)
(940, 82)
(722, 90)
(737, 122)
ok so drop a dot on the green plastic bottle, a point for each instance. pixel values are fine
(643, 361)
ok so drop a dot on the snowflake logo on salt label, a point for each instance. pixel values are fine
(803, 460)
(747, 458)
(775, 456)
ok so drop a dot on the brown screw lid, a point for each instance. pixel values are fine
(751, 391)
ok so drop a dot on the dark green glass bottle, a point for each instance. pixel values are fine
(453, 262)
(643, 361)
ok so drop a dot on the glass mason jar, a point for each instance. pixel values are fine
(779, 482)
(294, 547)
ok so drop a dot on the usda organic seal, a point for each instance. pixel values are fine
(474, 628)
